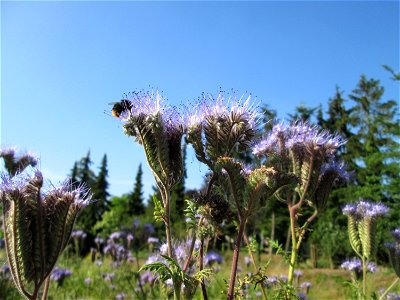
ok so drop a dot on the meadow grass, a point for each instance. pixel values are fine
(326, 283)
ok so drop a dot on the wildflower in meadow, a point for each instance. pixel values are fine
(394, 251)
(88, 280)
(153, 240)
(212, 257)
(37, 227)
(306, 285)
(308, 153)
(120, 296)
(59, 275)
(159, 129)
(355, 265)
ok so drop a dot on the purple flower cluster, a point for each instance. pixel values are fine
(365, 209)
(298, 273)
(223, 106)
(297, 135)
(60, 274)
(212, 257)
(117, 251)
(149, 105)
(355, 265)
(78, 234)
(394, 246)
(305, 285)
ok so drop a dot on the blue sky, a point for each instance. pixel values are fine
(63, 62)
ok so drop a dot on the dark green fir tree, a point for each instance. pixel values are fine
(135, 204)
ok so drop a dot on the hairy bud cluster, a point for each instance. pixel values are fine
(37, 227)
(14, 163)
(362, 217)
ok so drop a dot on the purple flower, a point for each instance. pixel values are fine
(147, 277)
(298, 273)
(247, 260)
(88, 280)
(365, 209)
(271, 280)
(355, 265)
(129, 237)
(117, 235)
(120, 296)
(396, 234)
(212, 257)
(60, 274)
(153, 240)
(99, 241)
(393, 296)
(5, 269)
(305, 285)
(78, 234)
(148, 228)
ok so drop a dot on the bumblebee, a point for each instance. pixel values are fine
(120, 107)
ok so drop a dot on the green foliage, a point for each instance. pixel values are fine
(159, 211)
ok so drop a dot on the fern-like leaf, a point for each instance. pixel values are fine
(354, 237)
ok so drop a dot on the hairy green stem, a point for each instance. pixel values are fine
(203, 286)
(231, 290)
(364, 270)
(293, 256)
(46, 288)
(389, 288)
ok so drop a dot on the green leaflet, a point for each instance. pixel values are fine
(159, 211)
(354, 237)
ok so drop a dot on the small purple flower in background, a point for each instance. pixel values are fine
(147, 277)
(247, 260)
(355, 265)
(117, 235)
(109, 277)
(99, 241)
(148, 228)
(258, 294)
(98, 263)
(302, 296)
(283, 278)
(5, 271)
(306, 285)
(2, 243)
(120, 296)
(78, 234)
(211, 258)
(392, 296)
(129, 237)
(365, 209)
(298, 273)
(271, 280)
(153, 240)
(88, 280)
(59, 275)
(112, 287)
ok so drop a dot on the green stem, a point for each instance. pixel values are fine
(46, 288)
(167, 221)
(254, 264)
(203, 285)
(364, 266)
(231, 290)
(293, 256)
(389, 288)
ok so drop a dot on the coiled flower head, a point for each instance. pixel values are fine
(362, 217)
(37, 226)
(216, 126)
(159, 129)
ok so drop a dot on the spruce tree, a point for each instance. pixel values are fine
(178, 192)
(135, 198)
(100, 193)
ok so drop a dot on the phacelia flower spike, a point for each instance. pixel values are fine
(362, 218)
(159, 128)
(37, 227)
(217, 125)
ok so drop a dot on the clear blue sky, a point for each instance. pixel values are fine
(63, 62)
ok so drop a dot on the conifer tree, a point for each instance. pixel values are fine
(100, 193)
(135, 198)
(178, 192)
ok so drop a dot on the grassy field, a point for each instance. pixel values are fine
(111, 282)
